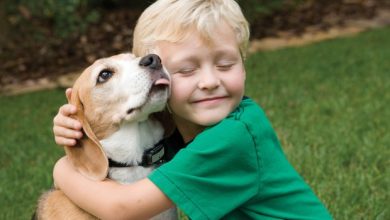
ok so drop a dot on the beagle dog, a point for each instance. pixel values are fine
(115, 99)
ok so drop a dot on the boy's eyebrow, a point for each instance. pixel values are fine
(193, 59)
(181, 59)
(227, 52)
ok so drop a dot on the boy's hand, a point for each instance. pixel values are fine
(66, 129)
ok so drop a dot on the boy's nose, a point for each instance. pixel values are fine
(151, 61)
(209, 80)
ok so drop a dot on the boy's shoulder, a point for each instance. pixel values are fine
(247, 120)
(251, 114)
(239, 128)
(247, 109)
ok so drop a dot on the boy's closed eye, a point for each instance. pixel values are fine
(225, 66)
(226, 61)
(186, 71)
(185, 68)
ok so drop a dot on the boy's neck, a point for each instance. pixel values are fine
(188, 130)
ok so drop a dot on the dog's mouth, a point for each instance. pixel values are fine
(160, 85)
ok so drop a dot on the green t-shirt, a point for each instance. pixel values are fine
(236, 169)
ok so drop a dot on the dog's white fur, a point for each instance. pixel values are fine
(115, 114)
(120, 146)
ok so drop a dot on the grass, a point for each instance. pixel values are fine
(328, 102)
(27, 150)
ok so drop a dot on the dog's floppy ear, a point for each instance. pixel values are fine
(87, 155)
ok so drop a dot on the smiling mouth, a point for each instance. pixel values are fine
(211, 99)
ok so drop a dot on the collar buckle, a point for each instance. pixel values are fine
(152, 156)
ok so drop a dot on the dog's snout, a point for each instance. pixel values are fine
(151, 61)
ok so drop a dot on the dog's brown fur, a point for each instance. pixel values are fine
(60, 206)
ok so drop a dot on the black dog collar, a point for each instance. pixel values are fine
(151, 157)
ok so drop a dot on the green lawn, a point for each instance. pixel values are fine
(328, 102)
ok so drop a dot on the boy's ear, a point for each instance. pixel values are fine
(87, 156)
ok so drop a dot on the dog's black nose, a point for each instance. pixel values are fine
(151, 61)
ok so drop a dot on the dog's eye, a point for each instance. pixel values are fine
(104, 75)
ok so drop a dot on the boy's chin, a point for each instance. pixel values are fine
(211, 119)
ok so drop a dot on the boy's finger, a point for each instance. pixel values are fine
(66, 133)
(66, 122)
(65, 142)
(68, 93)
(67, 110)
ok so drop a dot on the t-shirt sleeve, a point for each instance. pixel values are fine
(214, 174)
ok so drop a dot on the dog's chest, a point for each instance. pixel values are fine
(128, 174)
(127, 146)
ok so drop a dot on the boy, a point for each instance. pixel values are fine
(230, 164)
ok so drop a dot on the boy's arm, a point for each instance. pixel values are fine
(108, 199)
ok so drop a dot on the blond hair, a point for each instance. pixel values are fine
(173, 21)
